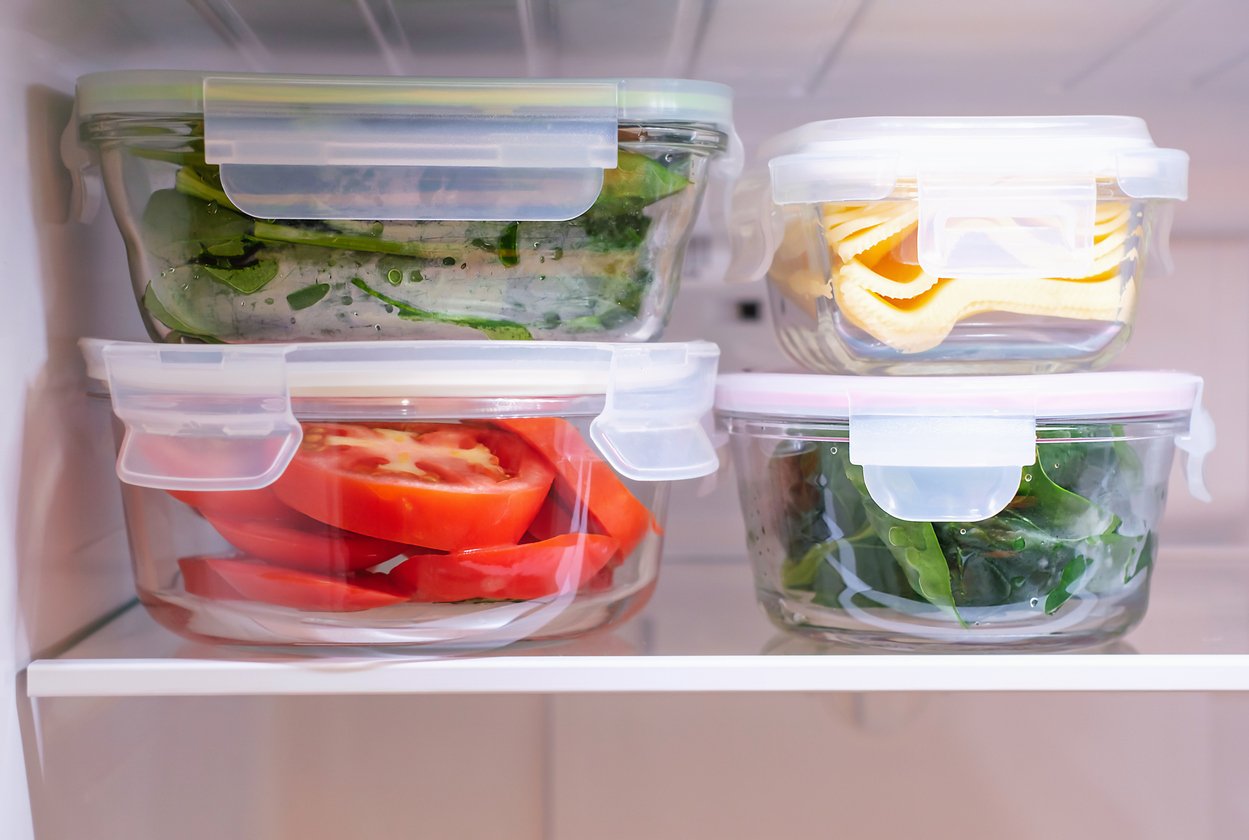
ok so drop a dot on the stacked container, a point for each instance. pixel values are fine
(974, 495)
(418, 485)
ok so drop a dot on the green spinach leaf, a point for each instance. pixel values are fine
(913, 545)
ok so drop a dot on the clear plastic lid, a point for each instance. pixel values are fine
(997, 196)
(426, 148)
(950, 449)
(650, 399)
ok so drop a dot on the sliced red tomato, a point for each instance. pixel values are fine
(444, 486)
(239, 505)
(555, 518)
(199, 578)
(241, 579)
(583, 478)
(514, 572)
(304, 543)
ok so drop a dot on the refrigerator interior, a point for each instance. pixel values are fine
(526, 760)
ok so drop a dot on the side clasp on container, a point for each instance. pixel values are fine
(652, 428)
(200, 418)
(935, 465)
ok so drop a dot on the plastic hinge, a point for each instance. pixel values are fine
(401, 149)
(198, 418)
(1197, 443)
(86, 182)
(959, 466)
(1005, 227)
(812, 178)
(1153, 173)
(755, 228)
(653, 430)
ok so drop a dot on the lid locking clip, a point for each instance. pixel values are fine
(652, 425)
(198, 418)
(960, 466)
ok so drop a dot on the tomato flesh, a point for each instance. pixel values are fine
(236, 578)
(517, 572)
(585, 479)
(240, 505)
(307, 544)
(444, 486)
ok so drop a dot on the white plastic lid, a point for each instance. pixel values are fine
(174, 397)
(998, 196)
(949, 449)
(346, 147)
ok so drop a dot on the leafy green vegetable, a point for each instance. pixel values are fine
(153, 305)
(638, 178)
(307, 296)
(492, 329)
(507, 279)
(327, 237)
(913, 544)
(247, 279)
(1073, 570)
(204, 184)
(1070, 531)
(181, 228)
(508, 254)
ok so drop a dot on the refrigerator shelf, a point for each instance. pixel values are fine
(701, 633)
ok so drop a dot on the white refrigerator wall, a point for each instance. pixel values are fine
(694, 766)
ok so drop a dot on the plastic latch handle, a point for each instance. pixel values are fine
(83, 163)
(652, 428)
(1006, 227)
(391, 149)
(813, 178)
(1197, 443)
(197, 418)
(953, 468)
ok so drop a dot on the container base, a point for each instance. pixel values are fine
(1083, 622)
(435, 628)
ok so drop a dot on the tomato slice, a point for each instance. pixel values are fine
(444, 486)
(239, 505)
(199, 578)
(236, 578)
(583, 478)
(514, 572)
(304, 543)
(555, 518)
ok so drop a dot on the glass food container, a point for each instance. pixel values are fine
(451, 494)
(284, 208)
(992, 512)
(941, 245)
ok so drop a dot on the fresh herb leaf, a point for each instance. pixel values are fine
(158, 311)
(640, 180)
(247, 279)
(913, 544)
(307, 296)
(507, 250)
(329, 238)
(180, 228)
(1073, 571)
(204, 184)
(496, 329)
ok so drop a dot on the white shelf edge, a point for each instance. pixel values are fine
(638, 674)
(1195, 638)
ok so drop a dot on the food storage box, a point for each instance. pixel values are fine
(995, 512)
(956, 245)
(264, 208)
(450, 494)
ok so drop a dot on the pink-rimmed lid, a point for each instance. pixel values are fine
(967, 436)
(1046, 397)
